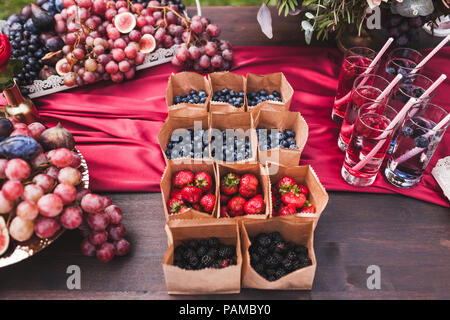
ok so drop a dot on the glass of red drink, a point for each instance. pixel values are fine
(403, 61)
(366, 88)
(356, 61)
(416, 144)
(370, 129)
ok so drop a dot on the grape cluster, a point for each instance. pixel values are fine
(48, 196)
(201, 50)
(26, 47)
(405, 31)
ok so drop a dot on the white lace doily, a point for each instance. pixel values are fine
(441, 172)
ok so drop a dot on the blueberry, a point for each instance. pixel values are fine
(407, 131)
(290, 140)
(390, 70)
(263, 92)
(403, 72)
(289, 133)
(192, 92)
(293, 146)
(421, 142)
(276, 94)
(202, 93)
(169, 153)
(417, 92)
(231, 92)
(224, 91)
(253, 95)
(271, 97)
(241, 93)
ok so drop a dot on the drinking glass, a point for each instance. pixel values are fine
(366, 88)
(356, 61)
(403, 61)
(370, 131)
(416, 145)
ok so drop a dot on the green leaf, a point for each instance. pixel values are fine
(280, 8)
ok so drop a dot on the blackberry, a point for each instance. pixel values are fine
(280, 247)
(226, 251)
(213, 242)
(276, 236)
(255, 257)
(202, 250)
(259, 268)
(270, 261)
(212, 252)
(277, 257)
(291, 255)
(270, 272)
(288, 264)
(206, 261)
(192, 261)
(271, 278)
(192, 244)
(305, 261)
(280, 273)
(301, 250)
(189, 253)
(262, 251)
(264, 240)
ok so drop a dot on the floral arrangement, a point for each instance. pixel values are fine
(8, 67)
(401, 18)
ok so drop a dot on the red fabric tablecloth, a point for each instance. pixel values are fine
(116, 125)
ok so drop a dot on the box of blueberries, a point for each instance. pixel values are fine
(281, 136)
(228, 92)
(188, 88)
(278, 254)
(204, 257)
(270, 91)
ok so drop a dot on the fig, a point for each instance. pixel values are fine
(125, 22)
(57, 137)
(147, 43)
(52, 58)
(26, 11)
(4, 236)
(42, 20)
(22, 147)
(54, 44)
(6, 127)
(46, 72)
(21, 229)
(60, 67)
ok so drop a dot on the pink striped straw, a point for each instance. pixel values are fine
(397, 118)
(431, 54)
(416, 150)
(369, 69)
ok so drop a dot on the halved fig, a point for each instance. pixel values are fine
(61, 67)
(147, 43)
(125, 22)
(4, 236)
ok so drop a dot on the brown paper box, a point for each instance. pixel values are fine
(235, 120)
(305, 175)
(282, 120)
(195, 165)
(226, 80)
(293, 230)
(205, 281)
(183, 122)
(183, 82)
(270, 82)
(259, 171)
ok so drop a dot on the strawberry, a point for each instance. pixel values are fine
(230, 183)
(224, 212)
(255, 205)
(184, 210)
(236, 206)
(285, 184)
(182, 178)
(296, 199)
(191, 194)
(176, 193)
(224, 198)
(303, 189)
(308, 209)
(287, 210)
(203, 181)
(248, 186)
(175, 205)
(208, 202)
(196, 206)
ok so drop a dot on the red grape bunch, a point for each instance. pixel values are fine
(201, 50)
(42, 191)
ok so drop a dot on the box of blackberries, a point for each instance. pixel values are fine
(233, 137)
(278, 254)
(270, 91)
(189, 89)
(244, 191)
(296, 191)
(189, 189)
(281, 136)
(185, 137)
(203, 257)
(228, 92)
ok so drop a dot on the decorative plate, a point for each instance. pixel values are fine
(19, 251)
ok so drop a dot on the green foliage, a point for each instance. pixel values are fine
(284, 6)
(13, 68)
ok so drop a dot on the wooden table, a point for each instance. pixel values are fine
(408, 239)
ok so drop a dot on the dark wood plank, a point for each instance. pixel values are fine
(409, 239)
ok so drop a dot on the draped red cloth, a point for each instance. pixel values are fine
(116, 125)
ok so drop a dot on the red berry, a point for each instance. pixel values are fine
(114, 213)
(105, 252)
(71, 218)
(122, 247)
(87, 248)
